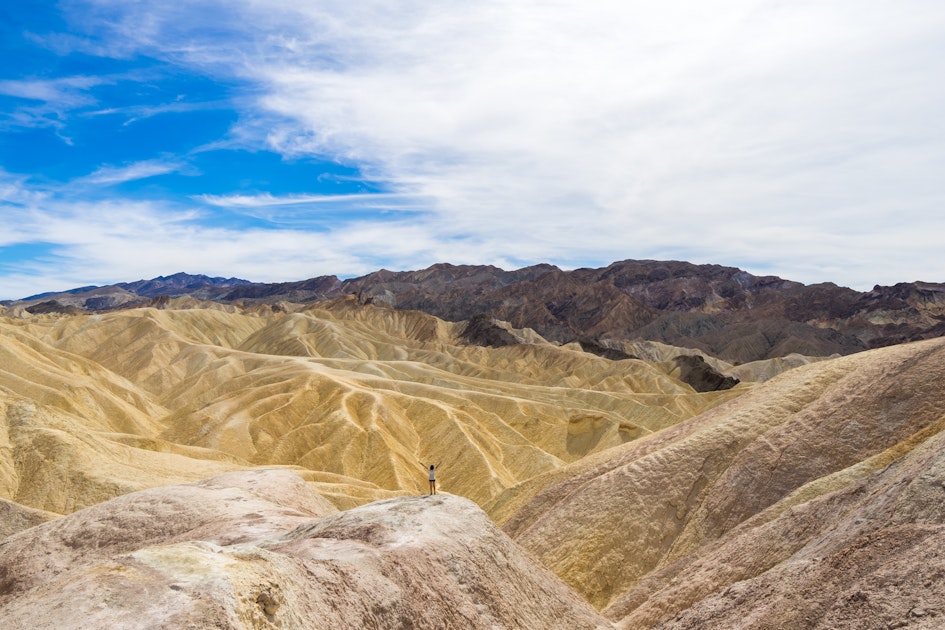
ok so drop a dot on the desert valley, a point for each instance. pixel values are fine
(648, 445)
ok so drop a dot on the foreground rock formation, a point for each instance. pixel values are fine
(815, 500)
(261, 550)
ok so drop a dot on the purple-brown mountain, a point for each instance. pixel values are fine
(724, 311)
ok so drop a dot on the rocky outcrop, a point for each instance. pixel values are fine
(252, 550)
(52, 306)
(694, 370)
(603, 350)
(226, 509)
(482, 330)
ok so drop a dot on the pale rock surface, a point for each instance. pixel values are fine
(648, 529)
(223, 509)
(250, 550)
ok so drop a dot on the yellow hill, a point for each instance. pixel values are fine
(638, 528)
(355, 397)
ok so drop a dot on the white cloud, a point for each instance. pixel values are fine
(803, 139)
(632, 129)
(107, 175)
(46, 101)
(67, 90)
(101, 242)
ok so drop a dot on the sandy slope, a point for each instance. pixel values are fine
(357, 397)
(799, 470)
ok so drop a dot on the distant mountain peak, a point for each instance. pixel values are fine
(178, 284)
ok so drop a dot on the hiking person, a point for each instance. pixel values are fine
(432, 477)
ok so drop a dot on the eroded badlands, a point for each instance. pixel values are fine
(187, 465)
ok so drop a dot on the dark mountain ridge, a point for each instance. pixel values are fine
(179, 284)
(724, 311)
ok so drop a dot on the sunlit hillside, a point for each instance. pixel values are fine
(811, 501)
(356, 397)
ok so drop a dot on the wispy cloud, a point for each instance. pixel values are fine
(46, 102)
(136, 113)
(323, 213)
(109, 175)
(268, 200)
(65, 90)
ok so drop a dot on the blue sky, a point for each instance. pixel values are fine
(280, 140)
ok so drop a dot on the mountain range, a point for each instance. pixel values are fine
(722, 311)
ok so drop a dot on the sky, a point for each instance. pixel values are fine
(278, 140)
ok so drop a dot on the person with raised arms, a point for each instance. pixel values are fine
(432, 476)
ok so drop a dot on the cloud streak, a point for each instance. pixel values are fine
(47, 102)
(110, 175)
(268, 200)
(67, 90)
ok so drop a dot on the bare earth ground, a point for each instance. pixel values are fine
(808, 496)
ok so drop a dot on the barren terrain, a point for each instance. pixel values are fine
(263, 466)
